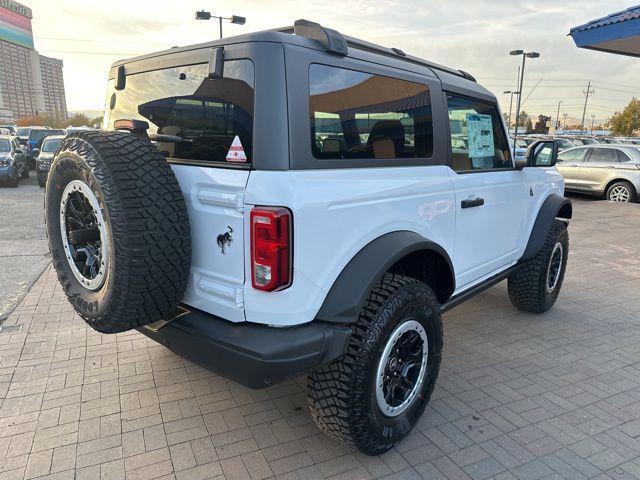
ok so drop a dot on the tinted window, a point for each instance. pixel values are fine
(573, 155)
(564, 143)
(51, 145)
(478, 141)
(360, 115)
(22, 132)
(37, 135)
(603, 155)
(5, 146)
(195, 118)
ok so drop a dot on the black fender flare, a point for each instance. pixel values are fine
(555, 206)
(351, 289)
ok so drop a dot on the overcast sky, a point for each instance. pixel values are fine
(473, 35)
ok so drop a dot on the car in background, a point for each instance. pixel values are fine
(36, 136)
(612, 171)
(11, 128)
(22, 134)
(5, 131)
(13, 164)
(564, 143)
(45, 156)
(589, 141)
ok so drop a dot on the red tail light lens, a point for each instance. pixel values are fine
(270, 248)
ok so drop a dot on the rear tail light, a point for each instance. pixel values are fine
(271, 248)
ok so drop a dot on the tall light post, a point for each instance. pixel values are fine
(511, 93)
(558, 116)
(593, 119)
(564, 125)
(525, 55)
(202, 15)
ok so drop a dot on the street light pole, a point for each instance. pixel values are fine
(587, 92)
(202, 15)
(564, 126)
(593, 117)
(511, 92)
(558, 116)
(524, 57)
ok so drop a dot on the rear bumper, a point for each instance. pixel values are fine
(252, 355)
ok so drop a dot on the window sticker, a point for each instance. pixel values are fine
(236, 152)
(480, 135)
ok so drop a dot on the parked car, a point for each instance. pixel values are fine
(290, 202)
(44, 155)
(13, 164)
(5, 131)
(564, 143)
(612, 171)
(36, 136)
(22, 134)
(11, 128)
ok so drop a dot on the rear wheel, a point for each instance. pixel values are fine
(373, 395)
(118, 230)
(622, 192)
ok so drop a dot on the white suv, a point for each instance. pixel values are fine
(297, 201)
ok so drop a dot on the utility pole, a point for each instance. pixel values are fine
(587, 92)
(525, 55)
(558, 116)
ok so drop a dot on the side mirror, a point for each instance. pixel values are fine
(543, 153)
(36, 151)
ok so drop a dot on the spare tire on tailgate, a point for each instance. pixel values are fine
(118, 230)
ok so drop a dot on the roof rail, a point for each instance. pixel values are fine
(336, 43)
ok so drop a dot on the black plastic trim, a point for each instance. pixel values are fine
(252, 355)
(476, 289)
(350, 290)
(554, 206)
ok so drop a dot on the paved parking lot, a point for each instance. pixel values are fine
(24, 252)
(519, 396)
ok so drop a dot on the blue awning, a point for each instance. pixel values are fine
(617, 33)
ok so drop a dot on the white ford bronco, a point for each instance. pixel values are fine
(296, 201)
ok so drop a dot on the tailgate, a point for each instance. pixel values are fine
(214, 198)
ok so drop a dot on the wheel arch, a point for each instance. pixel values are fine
(616, 180)
(554, 206)
(401, 252)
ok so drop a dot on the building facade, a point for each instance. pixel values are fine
(30, 84)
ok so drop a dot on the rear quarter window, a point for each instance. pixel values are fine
(191, 117)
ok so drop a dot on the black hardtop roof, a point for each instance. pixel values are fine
(311, 36)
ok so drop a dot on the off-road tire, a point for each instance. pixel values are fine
(633, 195)
(528, 284)
(342, 395)
(146, 220)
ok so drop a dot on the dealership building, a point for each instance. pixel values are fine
(30, 84)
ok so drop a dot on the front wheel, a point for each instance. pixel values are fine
(535, 285)
(374, 394)
(622, 192)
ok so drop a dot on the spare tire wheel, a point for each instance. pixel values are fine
(118, 230)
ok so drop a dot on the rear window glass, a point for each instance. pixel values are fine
(190, 116)
(5, 146)
(361, 115)
(37, 135)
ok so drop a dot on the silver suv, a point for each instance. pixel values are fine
(609, 170)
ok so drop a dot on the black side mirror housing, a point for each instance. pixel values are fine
(543, 153)
(36, 152)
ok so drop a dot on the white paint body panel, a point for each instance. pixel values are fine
(338, 212)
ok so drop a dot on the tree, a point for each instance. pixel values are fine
(626, 122)
(529, 128)
(79, 120)
(523, 119)
(44, 120)
(541, 124)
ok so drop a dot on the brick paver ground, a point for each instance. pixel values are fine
(519, 395)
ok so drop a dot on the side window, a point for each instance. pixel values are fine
(573, 155)
(360, 115)
(478, 141)
(193, 116)
(607, 155)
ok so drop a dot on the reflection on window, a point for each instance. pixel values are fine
(190, 116)
(360, 115)
(478, 141)
(607, 155)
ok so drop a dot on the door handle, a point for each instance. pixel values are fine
(472, 202)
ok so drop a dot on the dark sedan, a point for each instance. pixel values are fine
(13, 163)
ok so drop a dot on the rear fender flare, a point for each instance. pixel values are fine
(351, 289)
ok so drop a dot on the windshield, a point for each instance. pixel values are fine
(5, 146)
(37, 135)
(588, 141)
(23, 132)
(51, 145)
